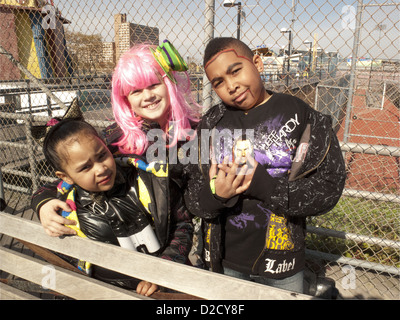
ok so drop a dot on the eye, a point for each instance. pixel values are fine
(216, 84)
(135, 92)
(154, 85)
(235, 71)
(84, 168)
(102, 155)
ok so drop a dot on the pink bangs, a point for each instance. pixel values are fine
(136, 70)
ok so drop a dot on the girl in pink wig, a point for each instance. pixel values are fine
(150, 89)
(147, 92)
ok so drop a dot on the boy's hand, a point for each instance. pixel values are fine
(232, 179)
(52, 222)
(146, 288)
(251, 164)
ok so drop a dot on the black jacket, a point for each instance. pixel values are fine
(312, 188)
(172, 222)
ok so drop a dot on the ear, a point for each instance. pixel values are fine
(63, 176)
(258, 63)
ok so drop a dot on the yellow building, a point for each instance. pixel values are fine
(33, 33)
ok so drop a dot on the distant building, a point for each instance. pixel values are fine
(129, 34)
(109, 52)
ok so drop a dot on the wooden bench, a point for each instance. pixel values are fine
(182, 278)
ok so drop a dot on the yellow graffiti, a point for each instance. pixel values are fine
(278, 234)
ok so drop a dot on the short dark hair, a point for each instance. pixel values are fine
(217, 45)
(61, 132)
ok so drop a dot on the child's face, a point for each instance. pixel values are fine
(151, 103)
(88, 163)
(236, 79)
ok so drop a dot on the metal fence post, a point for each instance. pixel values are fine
(2, 196)
(356, 43)
(209, 27)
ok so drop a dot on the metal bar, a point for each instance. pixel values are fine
(2, 197)
(353, 69)
(353, 262)
(370, 149)
(369, 136)
(18, 172)
(31, 154)
(381, 4)
(21, 116)
(372, 195)
(56, 88)
(331, 87)
(209, 26)
(383, 95)
(354, 237)
(18, 189)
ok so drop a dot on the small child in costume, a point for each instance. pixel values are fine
(113, 203)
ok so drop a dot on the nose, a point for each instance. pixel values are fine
(101, 169)
(148, 94)
(231, 85)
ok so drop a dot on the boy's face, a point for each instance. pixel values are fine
(88, 163)
(236, 79)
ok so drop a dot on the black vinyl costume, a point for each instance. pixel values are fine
(168, 215)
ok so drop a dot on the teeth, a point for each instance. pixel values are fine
(151, 106)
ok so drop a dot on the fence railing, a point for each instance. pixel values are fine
(199, 283)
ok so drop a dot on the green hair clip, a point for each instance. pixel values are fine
(169, 59)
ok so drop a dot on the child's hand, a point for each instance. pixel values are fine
(231, 179)
(52, 222)
(146, 288)
(251, 165)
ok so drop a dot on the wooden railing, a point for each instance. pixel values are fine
(182, 278)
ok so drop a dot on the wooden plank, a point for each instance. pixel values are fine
(182, 278)
(17, 204)
(60, 280)
(9, 293)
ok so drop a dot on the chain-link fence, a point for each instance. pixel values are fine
(342, 57)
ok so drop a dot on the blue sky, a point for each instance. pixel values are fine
(183, 21)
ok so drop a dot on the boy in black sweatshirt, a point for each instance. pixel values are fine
(254, 210)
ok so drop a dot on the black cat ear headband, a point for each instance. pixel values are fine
(73, 112)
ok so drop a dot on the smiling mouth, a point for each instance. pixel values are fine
(152, 106)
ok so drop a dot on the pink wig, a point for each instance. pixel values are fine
(137, 69)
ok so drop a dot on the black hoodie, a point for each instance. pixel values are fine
(301, 173)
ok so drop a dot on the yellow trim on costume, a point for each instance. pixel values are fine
(74, 217)
(144, 195)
